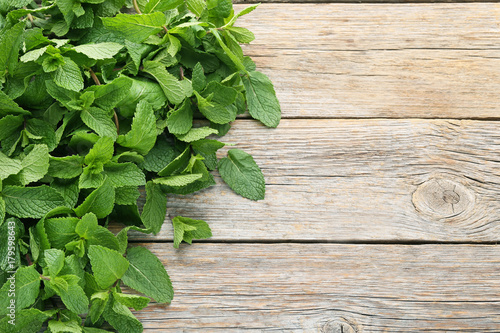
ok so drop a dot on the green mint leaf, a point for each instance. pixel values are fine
(27, 321)
(10, 42)
(60, 231)
(155, 208)
(136, 28)
(215, 112)
(103, 237)
(161, 5)
(195, 134)
(100, 121)
(27, 287)
(100, 202)
(242, 174)
(196, 6)
(108, 96)
(9, 125)
(245, 11)
(169, 83)
(66, 167)
(127, 195)
(9, 166)
(8, 106)
(54, 261)
(108, 265)
(142, 136)
(236, 61)
(147, 275)
(57, 326)
(99, 300)
(132, 301)
(205, 181)
(86, 226)
(69, 190)
(71, 293)
(66, 97)
(208, 149)
(180, 120)
(177, 165)
(124, 174)
(99, 51)
(41, 132)
(261, 97)
(160, 156)
(35, 164)
(186, 229)
(242, 35)
(31, 202)
(69, 76)
(120, 317)
(178, 180)
(142, 89)
(33, 55)
(199, 80)
(90, 178)
(101, 153)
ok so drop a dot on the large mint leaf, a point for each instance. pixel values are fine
(142, 135)
(35, 164)
(108, 265)
(147, 275)
(169, 83)
(187, 229)
(9, 125)
(208, 149)
(31, 202)
(161, 5)
(54, 261)
(66, 167)
(101, 153)
(99, 51)
(27, 285)
(132, 301)
(136, 28)
(261, 98)
(100, 202)
(121, 318)
(9, 166)
(160, 156)
(100, 121)
(142, 89)
(124, 174)
(10, 42)
(216, 112)
(180, 120)
(242, 174)
(71, 293)
(27, 321)
(155, 209)
(60, 231)
(178, 180)
(108, 96)
(198, 133)
(8, 106)
(69, 76)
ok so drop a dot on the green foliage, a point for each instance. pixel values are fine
(96, 107)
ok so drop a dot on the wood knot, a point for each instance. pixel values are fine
(339, 325)
(442, 197)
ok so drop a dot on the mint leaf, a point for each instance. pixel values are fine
(177, 165)
(142, 136)
(60, 231)
(242, 174)
(199, 80)
(136, 28)
(69, 76)
(180, 120)
(69, 190)
(108, 265)
(9, 125)
(195, 134)
(186, 229)
(35, 164)
(178, 180)
(100, 121)
(160, 156)
(54, 261)
(131, 301)
(27, 287)
(101, 153)
(155, 208)
(108, 96)
(208, 149)
(215, 112)
(169, 83)
(66, 167)
(31, 202)
(9, 166)
(9, 107)
(242, 35)
(120, 317)
(87, 226)
(147, 275)
(10, 41)
(100, 202)
(71, 293)
(262, 102)
(124, 174)
(142, 89)
(27, 321)
(161, 5)
(99, 51)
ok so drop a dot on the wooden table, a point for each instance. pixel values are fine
(382, 210)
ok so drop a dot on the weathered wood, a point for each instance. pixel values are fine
(318, 287)
(394, 61)
(359, 180)
(359, 1)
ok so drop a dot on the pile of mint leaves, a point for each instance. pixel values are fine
(102, 102)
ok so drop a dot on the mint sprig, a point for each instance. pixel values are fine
(99, 104)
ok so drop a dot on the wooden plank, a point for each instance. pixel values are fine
(359, 180)
(359, 1)
(391, 61)
(318, 287)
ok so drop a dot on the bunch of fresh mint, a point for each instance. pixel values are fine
(95, 104)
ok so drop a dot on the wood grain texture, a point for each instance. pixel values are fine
(305, 287)
(391, 61)
(359, 180)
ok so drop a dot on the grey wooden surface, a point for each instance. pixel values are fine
(382, 203)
